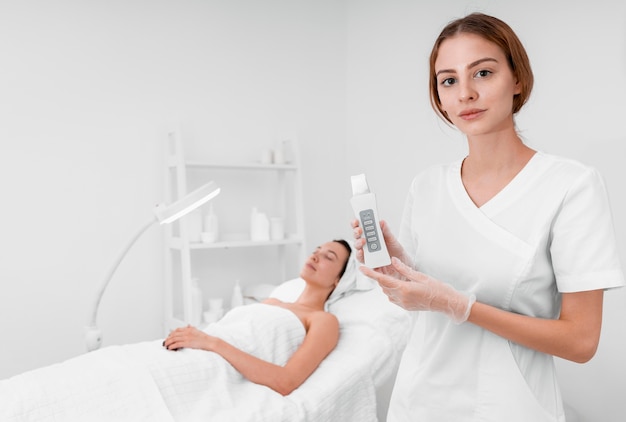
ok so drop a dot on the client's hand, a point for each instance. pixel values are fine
(422, 293)
(189, 337)
(393, 246)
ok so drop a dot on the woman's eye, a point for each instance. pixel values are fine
(483, 73)
(448, 82)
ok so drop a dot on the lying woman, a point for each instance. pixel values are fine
(321, 272)
(274, 344)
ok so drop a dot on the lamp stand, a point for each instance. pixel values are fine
(93, 335)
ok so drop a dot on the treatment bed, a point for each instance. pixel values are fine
(145, 382)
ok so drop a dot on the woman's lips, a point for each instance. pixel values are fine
(471, 114)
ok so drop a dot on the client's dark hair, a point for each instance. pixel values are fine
(349, 249)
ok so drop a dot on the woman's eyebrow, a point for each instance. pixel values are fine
(469, 66)
(477, 62)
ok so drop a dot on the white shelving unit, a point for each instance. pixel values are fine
(287, 194)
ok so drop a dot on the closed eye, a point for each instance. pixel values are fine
(326, 254)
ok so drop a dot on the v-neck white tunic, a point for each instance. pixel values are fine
(549, 231)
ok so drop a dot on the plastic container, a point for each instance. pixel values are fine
(237, 298)
(277, 228)
(194, 225)
(259, 226)
(210, 227)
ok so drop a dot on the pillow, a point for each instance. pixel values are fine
(288, 291)
(372, 311)
(257, 292)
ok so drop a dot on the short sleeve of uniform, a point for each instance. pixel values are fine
(583, 249)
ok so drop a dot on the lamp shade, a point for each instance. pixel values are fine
(169, 213)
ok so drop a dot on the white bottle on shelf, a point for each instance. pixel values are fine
(237, 298)
(194, 225)
(210, 226)
(196, 303)
(279, 153)
(259, 226)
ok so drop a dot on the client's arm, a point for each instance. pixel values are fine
(321, 338)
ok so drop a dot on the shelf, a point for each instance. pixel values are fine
(282, 183)
(176, 243)
(235, 166)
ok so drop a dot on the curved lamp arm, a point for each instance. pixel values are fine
(162, 214)
(93, 335)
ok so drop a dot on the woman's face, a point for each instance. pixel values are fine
(324, 264)
(475, 85)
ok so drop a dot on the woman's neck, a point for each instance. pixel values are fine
(492, 162)
(496, 153)
(313, 297)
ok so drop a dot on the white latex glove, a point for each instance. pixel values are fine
(422, 293)
(393, 246)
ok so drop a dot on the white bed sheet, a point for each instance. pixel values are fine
(115, 384)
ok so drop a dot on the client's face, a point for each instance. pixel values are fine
(325, 264)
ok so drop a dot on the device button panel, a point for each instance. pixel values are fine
(370, 230)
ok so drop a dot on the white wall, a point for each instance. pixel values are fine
(578, 52)
(87, 89)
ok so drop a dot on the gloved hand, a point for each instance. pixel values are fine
(393, 246)
(422, 293)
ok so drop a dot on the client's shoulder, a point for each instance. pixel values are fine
(324, 320)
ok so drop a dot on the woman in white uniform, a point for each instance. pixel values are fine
(510, 248)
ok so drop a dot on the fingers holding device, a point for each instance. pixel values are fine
(359, 241)
(394, 248)
(371, 247)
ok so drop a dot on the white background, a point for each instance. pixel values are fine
(87, 89)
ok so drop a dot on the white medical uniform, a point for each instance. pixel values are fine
(549, 231)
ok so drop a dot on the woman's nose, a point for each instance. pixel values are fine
(467, 92)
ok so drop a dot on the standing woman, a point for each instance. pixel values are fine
(510, 248)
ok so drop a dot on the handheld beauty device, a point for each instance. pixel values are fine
(364, 206)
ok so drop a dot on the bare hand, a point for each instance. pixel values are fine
(359, 242)
(189, 337)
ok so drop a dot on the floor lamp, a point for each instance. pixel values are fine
(163, 214)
